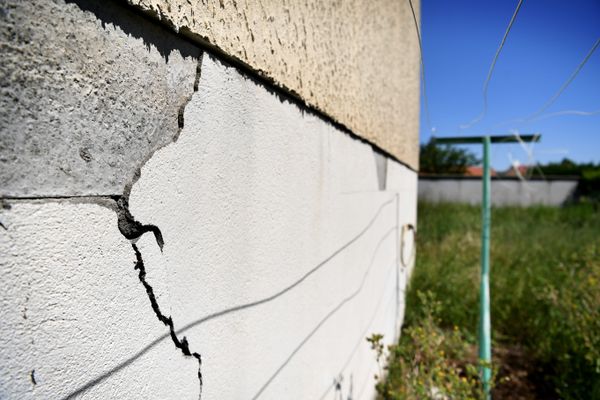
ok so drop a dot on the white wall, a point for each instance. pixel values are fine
(280, 257)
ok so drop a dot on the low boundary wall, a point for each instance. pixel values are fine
(505, 191)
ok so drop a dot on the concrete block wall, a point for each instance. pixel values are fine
(174, 228)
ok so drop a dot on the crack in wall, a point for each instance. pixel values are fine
(182, 344)
(133, 230)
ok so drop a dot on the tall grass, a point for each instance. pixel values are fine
(545, 284)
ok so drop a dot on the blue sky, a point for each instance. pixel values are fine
(547, 42)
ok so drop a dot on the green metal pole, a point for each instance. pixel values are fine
(485, 324)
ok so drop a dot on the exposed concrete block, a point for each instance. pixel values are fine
(88, 90)
(357, 61)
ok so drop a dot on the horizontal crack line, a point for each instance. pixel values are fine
(62, 197)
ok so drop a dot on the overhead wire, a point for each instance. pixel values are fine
(422, 63)
(536, 115)
(567, 82)
(491, 70)
(566, 112)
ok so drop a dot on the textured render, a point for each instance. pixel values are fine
(87, 92)
(282, 233)
(281, 252)
(357, 61)
(73, 308)
(504, 192)
(281, 255)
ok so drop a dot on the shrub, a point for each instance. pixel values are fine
(428, 361)
(545, 277)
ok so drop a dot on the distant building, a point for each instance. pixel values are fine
(516, 170)
(478, 171)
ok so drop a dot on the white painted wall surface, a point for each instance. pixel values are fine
(280, 258)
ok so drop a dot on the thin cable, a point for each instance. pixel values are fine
(566, 84)
(532, 163)
(536, 115)
(546, 116)
(491, 71)
(424, 89)
(566, 112)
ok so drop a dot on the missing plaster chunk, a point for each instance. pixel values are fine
(132, 229)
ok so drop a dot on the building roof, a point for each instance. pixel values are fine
(478, 171)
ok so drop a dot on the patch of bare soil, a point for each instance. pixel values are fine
(519, 376)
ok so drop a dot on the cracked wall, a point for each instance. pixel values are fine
(357, 61)
(259, 238)
(87, 90)
(73, 308)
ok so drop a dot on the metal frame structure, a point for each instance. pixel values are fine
(485, 321)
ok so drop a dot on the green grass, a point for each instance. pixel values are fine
(545, 285)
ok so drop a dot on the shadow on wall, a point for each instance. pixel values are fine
(165, 40)
(133, 24)
(241, 307)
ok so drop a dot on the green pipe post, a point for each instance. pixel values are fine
(485, 323)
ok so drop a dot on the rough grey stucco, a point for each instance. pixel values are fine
(87, 92)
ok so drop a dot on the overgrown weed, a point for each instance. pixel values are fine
(545, 291)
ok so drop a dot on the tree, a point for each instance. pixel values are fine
(588, 174)
(438, 158)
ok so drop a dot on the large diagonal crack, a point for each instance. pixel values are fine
(133, 230)
(182, 344)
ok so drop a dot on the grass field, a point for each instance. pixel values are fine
(545, 289)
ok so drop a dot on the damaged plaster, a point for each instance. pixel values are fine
(257, 230)
(300, 205)
(88, 90)
(281, 193)
(356, 61)
(66, 263)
